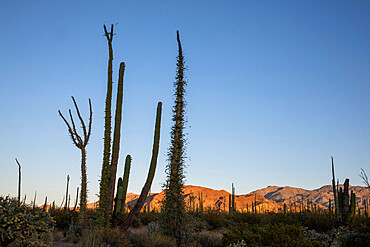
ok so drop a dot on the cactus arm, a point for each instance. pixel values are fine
(334, 189)
(116, 137)
(126, 176)
(153, 164)
(19, 181)
(66, 203)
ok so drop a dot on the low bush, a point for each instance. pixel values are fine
(267, 235)
(209, 239)
(63, 218)
(214, 218)
(21, 225)
(141, 237)
(104, 237)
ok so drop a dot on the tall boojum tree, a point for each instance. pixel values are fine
(174, 215)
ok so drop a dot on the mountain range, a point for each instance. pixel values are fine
(271, 198)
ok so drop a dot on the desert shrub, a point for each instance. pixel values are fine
(209, 239)
(361, 224)
(195, 224)
(63, 218)
(238, 217)
(104, 237)
(268, 235)
(147, 217)
(238, 244)
(153, 227)
(321, 239)
(21, 225)
(347, 237)
(140, 237)
(214, 218)
(322, 222)
(276, 218)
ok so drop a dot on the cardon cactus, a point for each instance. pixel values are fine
(126, 176)
(122, 186)
(347, 205)
(118, 199)
(232, 204)
(145, 190)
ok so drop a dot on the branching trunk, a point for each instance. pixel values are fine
(81, 144)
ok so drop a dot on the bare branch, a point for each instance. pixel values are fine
(90, 124)
(69, 129)
(79, 116)
(110, 34)
(74, 129)
(19, 165)
(365, 178)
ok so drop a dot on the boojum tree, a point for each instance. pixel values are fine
(174, 215)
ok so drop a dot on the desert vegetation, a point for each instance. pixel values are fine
(180, 215)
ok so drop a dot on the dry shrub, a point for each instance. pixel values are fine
(140, 237)
(209, 239)
(104, 237)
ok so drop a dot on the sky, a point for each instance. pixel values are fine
(274, 89)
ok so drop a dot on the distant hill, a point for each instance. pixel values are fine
(271, 198)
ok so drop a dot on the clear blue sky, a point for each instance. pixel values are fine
(274, 89)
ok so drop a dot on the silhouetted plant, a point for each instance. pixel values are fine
(336, 205)
(74, 208)
(174, 205)
(81, 144)
(146, 188)
(364, 178)
(19, 181)
(122, 186)
(109, 167)
(232, 203)
(66, 203)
